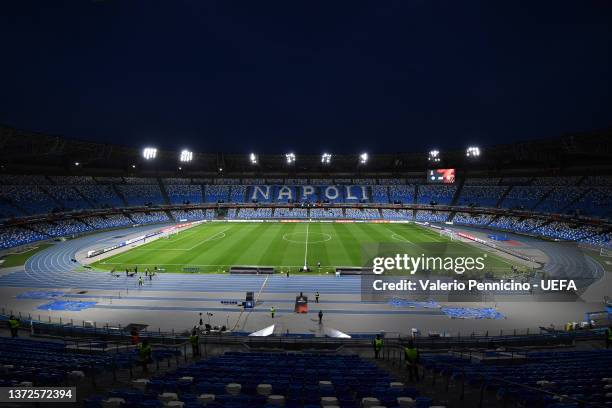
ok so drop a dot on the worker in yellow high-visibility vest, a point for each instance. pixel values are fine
(411, 354)
(378, 345)
(14, 326)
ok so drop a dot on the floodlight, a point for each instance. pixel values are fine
(363, 158)
(186, 156)
(326, 158)
(253, 158)
(77, 164)
(133, 166)
(473, 151)
(290, 158)
(434, 156)
(149, 153)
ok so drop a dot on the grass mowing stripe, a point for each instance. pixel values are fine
(216, 246)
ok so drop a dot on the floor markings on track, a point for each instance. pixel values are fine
(306, 250)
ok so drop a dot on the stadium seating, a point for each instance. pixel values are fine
(68, 196)
(184, 193)
(216, 194)
(227, 181)
(150, 217)
(523, 197)
(301, 380)
(401, 194)
(175, 180)
(140, 180)
(558, 198)
(597, 202)
(237, 194)
(472, 219)
(141, 194)
(431, 216)
(601, 240)
(101, 195)
(391, 181)
(8, 210)
(48, 364)
(62, 228)
(321, 182)
(326, 213)
(32, 199)
(380, 194)
(480, 196)
(515, 223)
(253, 181)
(577, 374)
(290, 213)
(556, 181)
(563, 230)
(254, 213)
(439, 194)
(190, 215)
(12, 236)
(362, 214)
(389, 214)
(481, 181)
(108, 221)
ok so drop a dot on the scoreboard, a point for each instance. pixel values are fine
(441, 176)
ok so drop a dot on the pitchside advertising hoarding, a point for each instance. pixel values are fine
(447, 272)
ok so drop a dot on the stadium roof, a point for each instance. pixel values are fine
(24, 151)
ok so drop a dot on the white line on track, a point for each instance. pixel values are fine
(306, 250)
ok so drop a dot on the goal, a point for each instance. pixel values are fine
(448, 234)
(607, 252)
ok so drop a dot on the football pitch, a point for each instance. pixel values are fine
(216, 246)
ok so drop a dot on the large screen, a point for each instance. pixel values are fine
(444, 176)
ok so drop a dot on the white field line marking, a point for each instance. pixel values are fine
(263, 285)
(398, 235)
(306, 249)
(219, 235)
(207, 239)
(192, 264)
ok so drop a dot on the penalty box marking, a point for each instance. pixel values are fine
(218, 235)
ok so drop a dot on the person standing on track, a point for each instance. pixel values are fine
(14, 326)
(411, 355)
(272, 311)
(140, 281)
(378, 345)
(320, 317)
(317, 294)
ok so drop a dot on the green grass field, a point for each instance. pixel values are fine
(20, 258)
(214, 247)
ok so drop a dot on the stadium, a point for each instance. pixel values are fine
(223, 205)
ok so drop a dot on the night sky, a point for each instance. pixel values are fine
(307, 76)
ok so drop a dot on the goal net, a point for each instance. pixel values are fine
(607, 252)
(448, 234)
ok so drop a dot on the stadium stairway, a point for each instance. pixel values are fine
(164, 193)
(120, 195)
(458, 191)
(503, 197)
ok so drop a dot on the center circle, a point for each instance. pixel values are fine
(300, 237)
